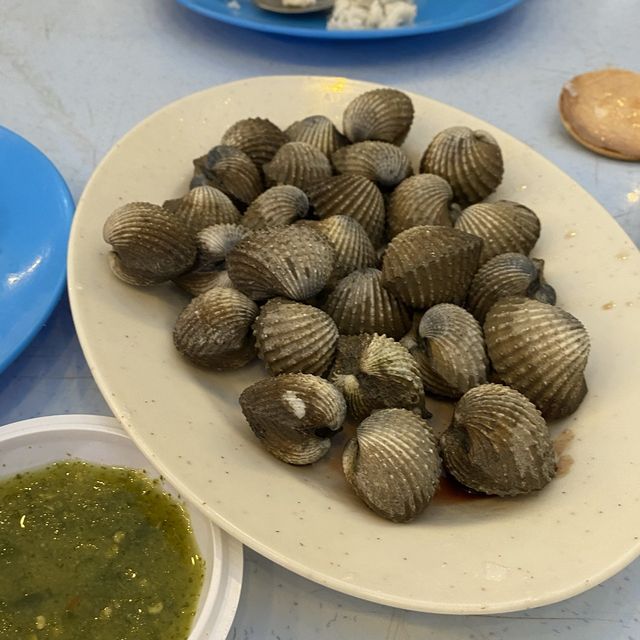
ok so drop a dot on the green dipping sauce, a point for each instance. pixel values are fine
(89, 552)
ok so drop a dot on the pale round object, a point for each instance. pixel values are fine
(465, 557)
(601, 110)
(31, 444)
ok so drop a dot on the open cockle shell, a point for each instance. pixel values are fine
(149, 245)
(455, 357)
(231, 171)
(470, 161)
(352, 246)
(430, 264)
(541, 351)
(376, 372)
(276, 207)
(202, 207)
(382, 162)
(504, 227)
(295, 262)
(498, 443)
(379, 114)
(419, 200)
(292, 337)
(509, 274)
(353, 196)
(259, 138)
(299, 164)
(213, 330)
(393, 464)
(216, 241)
(319, 132)
(360, 304)
(294, 415)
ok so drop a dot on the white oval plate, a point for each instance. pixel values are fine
(488, 555)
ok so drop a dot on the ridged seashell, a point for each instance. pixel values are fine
(509, 274)
(376, 372)
(353, 196)
(426, 265)
(259, 138)
(230, 170)
(216, 241)
(351, 244)
(294, 415)
(292, 337)
(149, 244)
(498, 443)
(360, 304)
(381, 162)
(379, 114)
(198, 281)
(276, 207)
(213, 329)
(393, 464)
(541, 351)
(295, 262)
(504, 226)
(454, 353)
(202, 207)
(317, 131)
(419, 200)
(470, 161)
(299, 164)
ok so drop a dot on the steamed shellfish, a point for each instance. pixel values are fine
(393, 464)
(149, 245)
(498, 443)
(202, 207)
(294, 415)
(360, 304)
(454, 352)
(229, 170)
(541, 351)
(276, 207)
(354, 196)
(381, 162)
(376, 372)
(419, 200)
(470, 161)
(426, 265)
(299, 164)
(509, 274)
(379, 114)
(295, 262)
(259, 138)
(319, 132)
(504, 226)
(213, 329)
(295, 338)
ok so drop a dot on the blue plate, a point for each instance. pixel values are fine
(35, 215)
(433, 15)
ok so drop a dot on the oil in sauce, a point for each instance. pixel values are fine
(88, 551)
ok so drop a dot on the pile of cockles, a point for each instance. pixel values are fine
(366, 289)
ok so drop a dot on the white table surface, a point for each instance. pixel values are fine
(75, 75)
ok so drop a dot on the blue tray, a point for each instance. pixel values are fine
(433, 15)
(35, 216)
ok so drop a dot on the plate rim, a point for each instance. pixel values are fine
(54, 294)
(363, 34)
(519, 604)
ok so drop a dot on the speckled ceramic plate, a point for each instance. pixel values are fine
(487, 555)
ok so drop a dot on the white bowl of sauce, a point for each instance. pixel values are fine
(31, 445)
